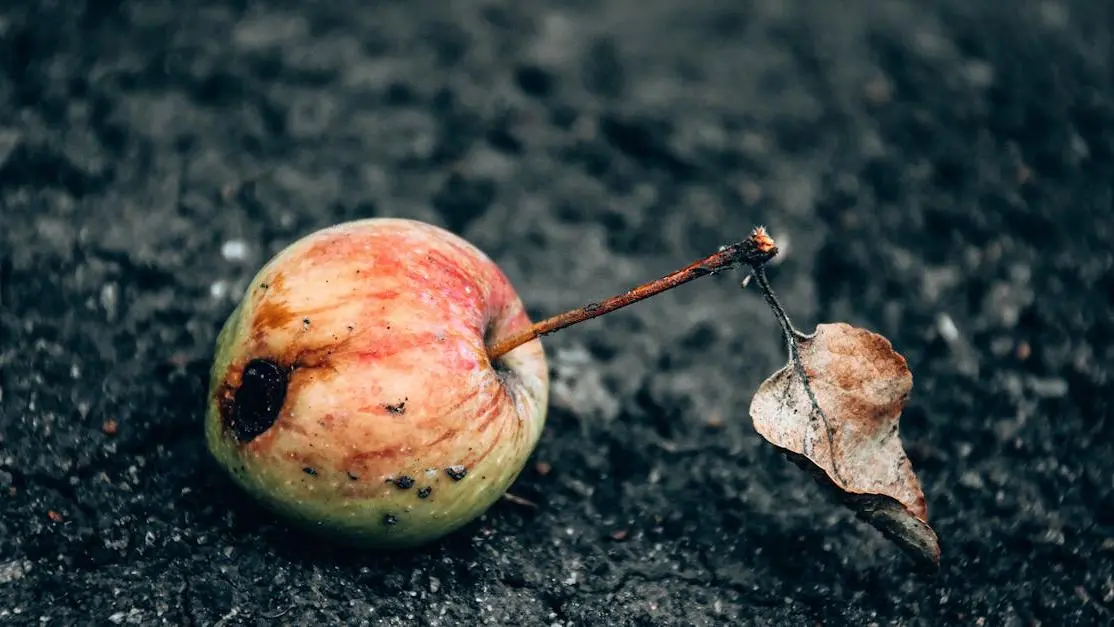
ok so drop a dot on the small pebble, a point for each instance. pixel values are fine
(1049, 387)
(218, 289)
(947, 329)
(715, 421)
(234, 250)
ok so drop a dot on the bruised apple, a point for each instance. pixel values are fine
(352, 391)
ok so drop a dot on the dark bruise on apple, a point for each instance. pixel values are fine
(352, 389)
(254, 406)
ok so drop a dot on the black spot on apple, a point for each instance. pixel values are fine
(404, 482)
(397, 409)
(256, 404)
(390, 520)
(456, 473)
(424, 492)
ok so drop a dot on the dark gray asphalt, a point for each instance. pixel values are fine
(942, 172)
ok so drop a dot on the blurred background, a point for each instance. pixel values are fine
(939, 172)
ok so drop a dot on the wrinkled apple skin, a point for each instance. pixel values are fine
(379, 327)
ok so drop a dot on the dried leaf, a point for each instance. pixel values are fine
(835, 413)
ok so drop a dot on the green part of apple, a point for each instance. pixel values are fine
(351, 391)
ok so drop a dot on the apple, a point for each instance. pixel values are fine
(351, 389)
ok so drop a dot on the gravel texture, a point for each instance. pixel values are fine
(941, 172)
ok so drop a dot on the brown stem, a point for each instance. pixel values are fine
(755, 251)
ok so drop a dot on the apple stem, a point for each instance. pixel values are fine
(754, 251)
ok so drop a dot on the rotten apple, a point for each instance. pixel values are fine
(352, 391)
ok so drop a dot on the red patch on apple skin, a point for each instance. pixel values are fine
(398, 254)
(452, 280)
(473, 457)
(445, 433)
(488, 413)
(485, 417)
(385, 346)
(342, 244)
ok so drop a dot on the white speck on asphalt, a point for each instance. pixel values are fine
(947, 329)
(234, 250)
